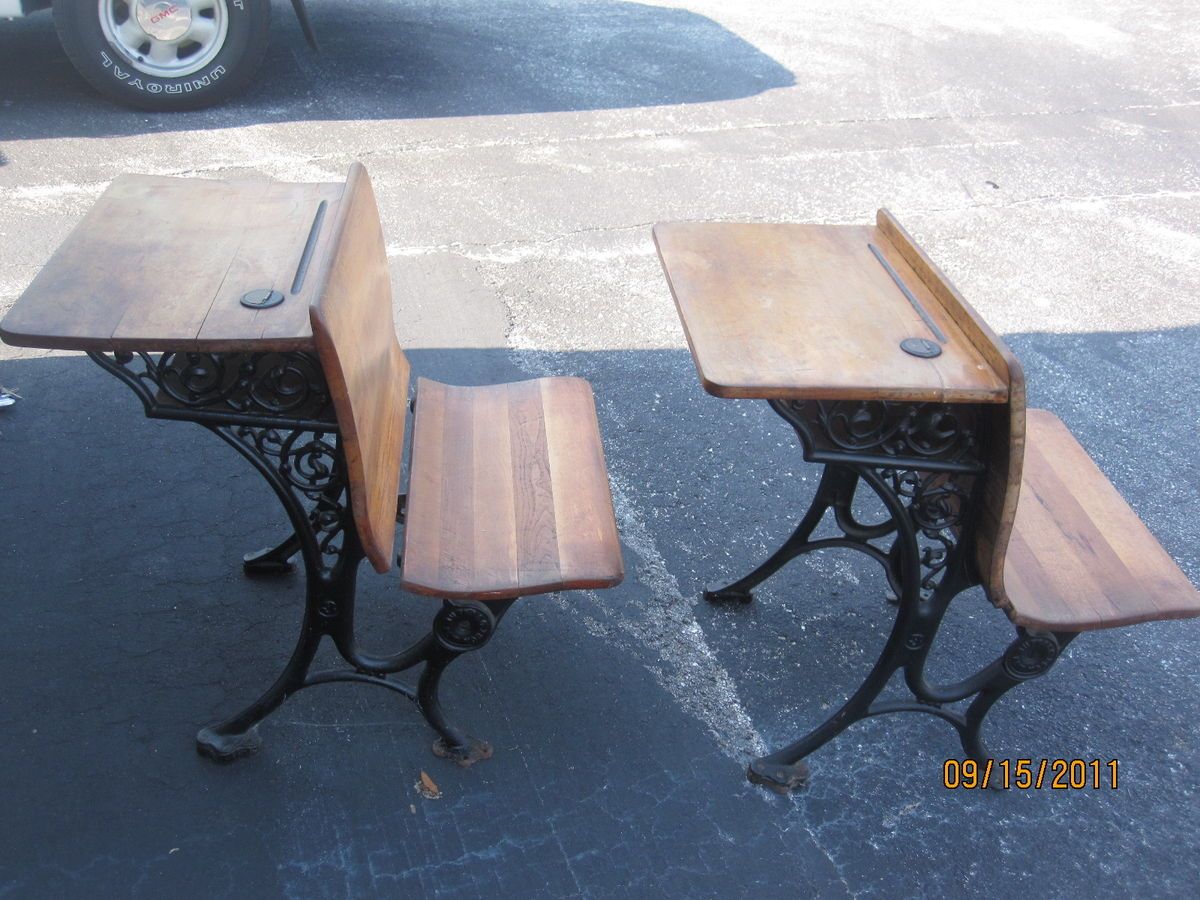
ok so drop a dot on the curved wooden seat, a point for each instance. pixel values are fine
(1056, 547)
(1079, 558)
(508, 492)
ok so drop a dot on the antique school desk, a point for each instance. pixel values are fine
(892, 381)
(263, 311)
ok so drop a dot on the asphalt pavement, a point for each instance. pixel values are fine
(1044, 153)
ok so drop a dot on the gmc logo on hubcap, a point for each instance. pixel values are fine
(159, 16)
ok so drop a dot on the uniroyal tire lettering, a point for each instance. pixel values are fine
(162, 87)
(122, 71)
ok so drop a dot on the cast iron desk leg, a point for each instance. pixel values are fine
(273, 408)
(920, 460)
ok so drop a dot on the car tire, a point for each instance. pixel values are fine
(162, 55)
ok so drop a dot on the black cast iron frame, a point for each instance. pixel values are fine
(274, 408)
(921, 461)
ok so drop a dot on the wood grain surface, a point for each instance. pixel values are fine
(808, 312)
(1002, 432)
(508, 492)
(162, 264)
(364, 366)
(1080, 558)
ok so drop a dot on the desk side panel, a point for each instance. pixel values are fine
(1003, 430)
(364, 366)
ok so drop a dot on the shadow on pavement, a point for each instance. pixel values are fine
(126, 624)
(405, 60)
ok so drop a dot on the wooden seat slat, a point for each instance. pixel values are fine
(1081, 558)
(538, 560)
(508, 493)
(494, 499)
(429, 445)
(459, 511)
(585, 539)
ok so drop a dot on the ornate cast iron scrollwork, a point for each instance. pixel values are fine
(885, 428)
(279, 384)
(275, 410)
(310, 466)
(273, 407)
(936, 504)
(926, 452)
(922, 462)
(919, 432)
(896, 429)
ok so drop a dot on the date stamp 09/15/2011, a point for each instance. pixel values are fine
(1023, 774)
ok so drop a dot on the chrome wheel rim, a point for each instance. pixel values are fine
(165, 38)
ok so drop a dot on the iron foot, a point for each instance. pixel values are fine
(225, 748)
(778, 778)
(465, 754)
(267, 561)
(725, 595)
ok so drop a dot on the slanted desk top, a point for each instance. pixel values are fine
(810, 312)
(163, 263)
